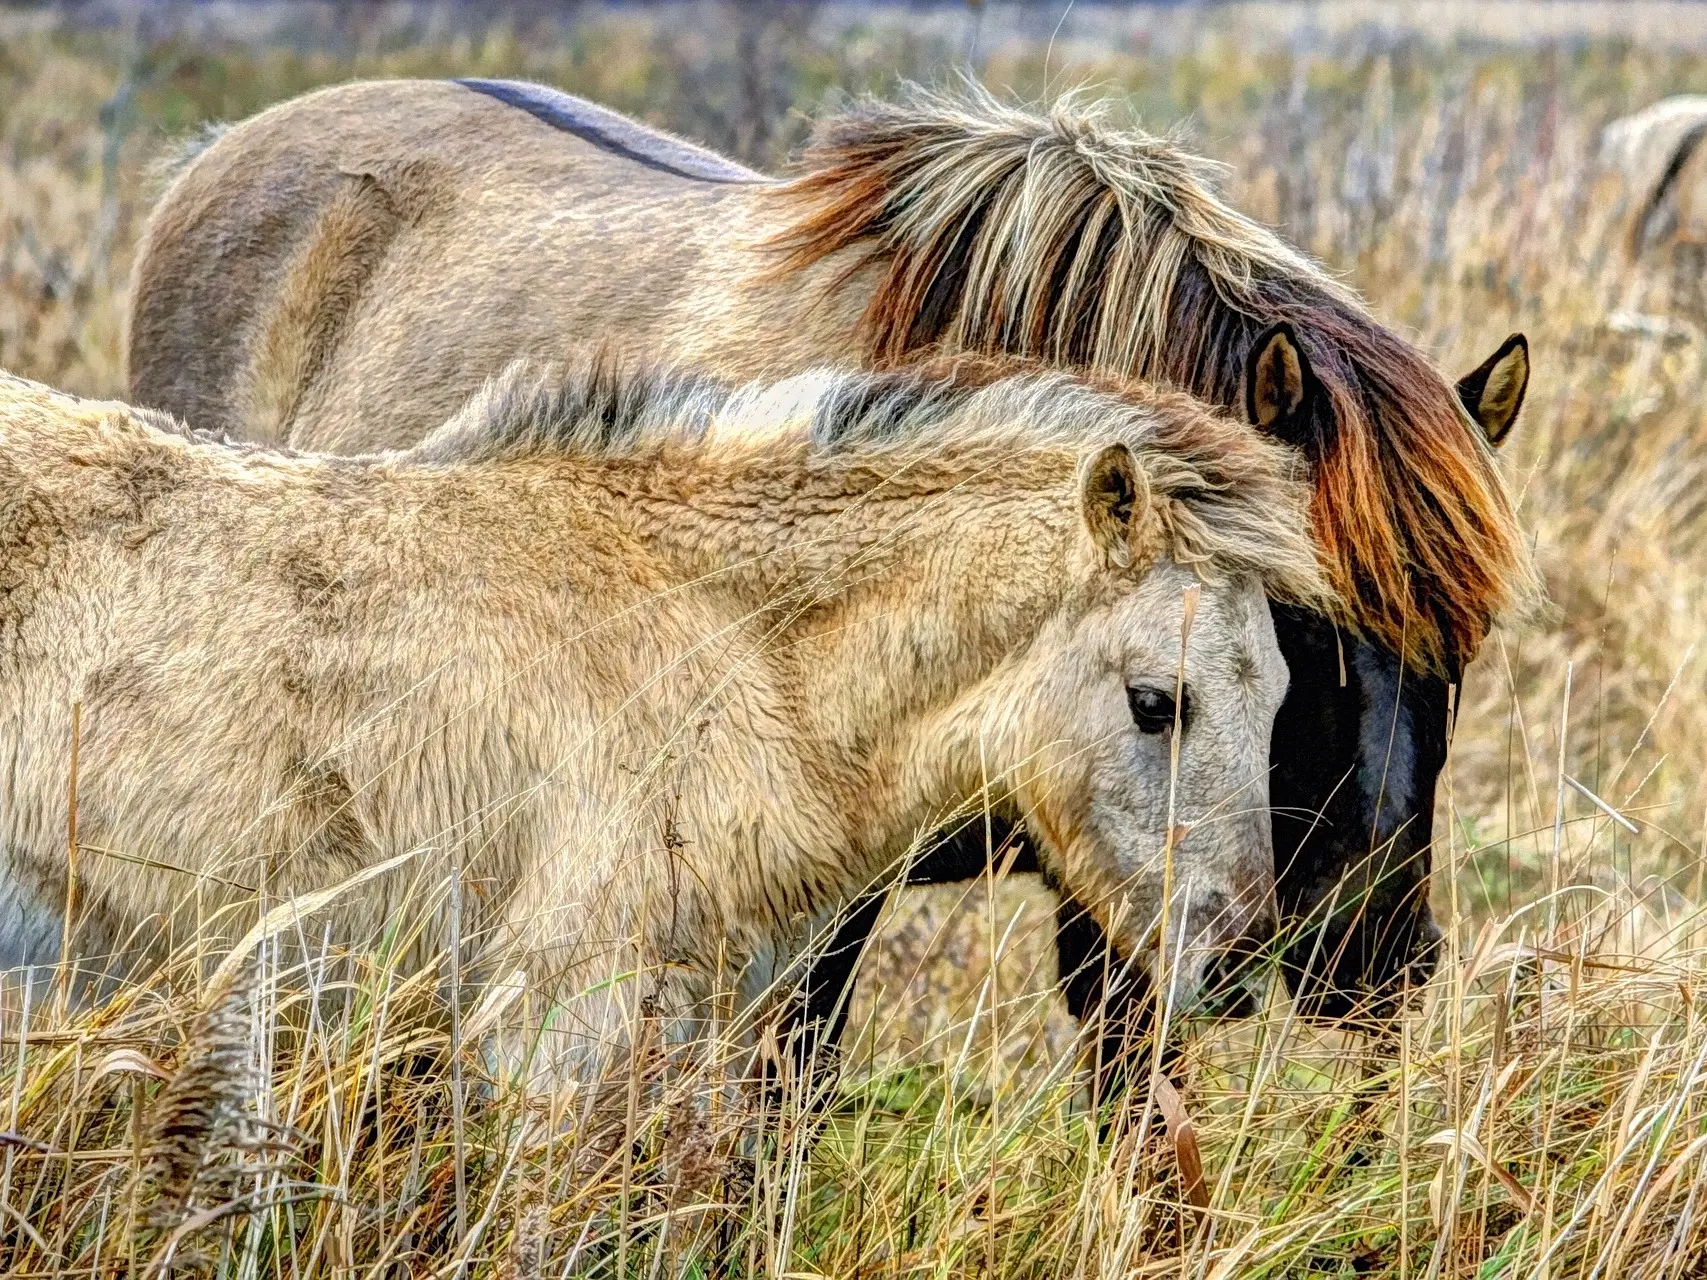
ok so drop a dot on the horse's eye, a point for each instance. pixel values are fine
(1152, 708)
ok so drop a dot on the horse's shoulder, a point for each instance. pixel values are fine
(613, 132)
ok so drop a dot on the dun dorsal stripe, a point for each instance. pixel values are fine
(611, 132)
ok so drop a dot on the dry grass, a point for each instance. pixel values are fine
(1541, 1112)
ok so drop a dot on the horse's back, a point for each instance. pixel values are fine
(268, 248)
(614, 132)
(1642, 146)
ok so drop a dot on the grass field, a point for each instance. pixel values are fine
(1541, 1112)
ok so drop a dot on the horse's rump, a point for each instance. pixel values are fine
(284, 263)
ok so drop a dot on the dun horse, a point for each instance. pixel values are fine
(394, 243)
(1661, 167)
(1657, 152)
(676, 669)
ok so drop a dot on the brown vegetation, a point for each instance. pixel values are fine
(1543, 1103)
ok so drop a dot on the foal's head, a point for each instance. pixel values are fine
(1137, 723)
(1144, 740)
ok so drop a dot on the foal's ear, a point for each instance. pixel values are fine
(1492, 393)
(1115, 499)
(1280, 389)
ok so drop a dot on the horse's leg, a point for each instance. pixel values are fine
(1101, 989)
(817, 1019)
(31, 927)
(812, 1027)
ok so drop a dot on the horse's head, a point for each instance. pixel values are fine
(1088, 246)
(1355, 763)
(1147, 721)
(1358, 743)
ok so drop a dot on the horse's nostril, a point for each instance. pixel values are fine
(1232, 979)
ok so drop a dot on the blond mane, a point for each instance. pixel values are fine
(1060, 237)
(1227, 500)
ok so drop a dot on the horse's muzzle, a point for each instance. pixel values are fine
(1234, 976)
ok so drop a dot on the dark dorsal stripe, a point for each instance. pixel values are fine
(615, 133)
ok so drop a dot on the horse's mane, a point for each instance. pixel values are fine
(597, 408)
(1059, 237)
(1228, 500)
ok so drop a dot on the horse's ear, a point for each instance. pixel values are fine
(1115, 499)
(1280, 389)
(1492, 393)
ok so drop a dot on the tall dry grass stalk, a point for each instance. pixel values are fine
(1538, 1113)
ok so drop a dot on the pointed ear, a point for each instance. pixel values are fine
(1115, 498)
(1280, 389)
(1492, 393)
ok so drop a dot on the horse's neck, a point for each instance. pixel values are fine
(885, 640)
(865, 615)
(741, 318)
